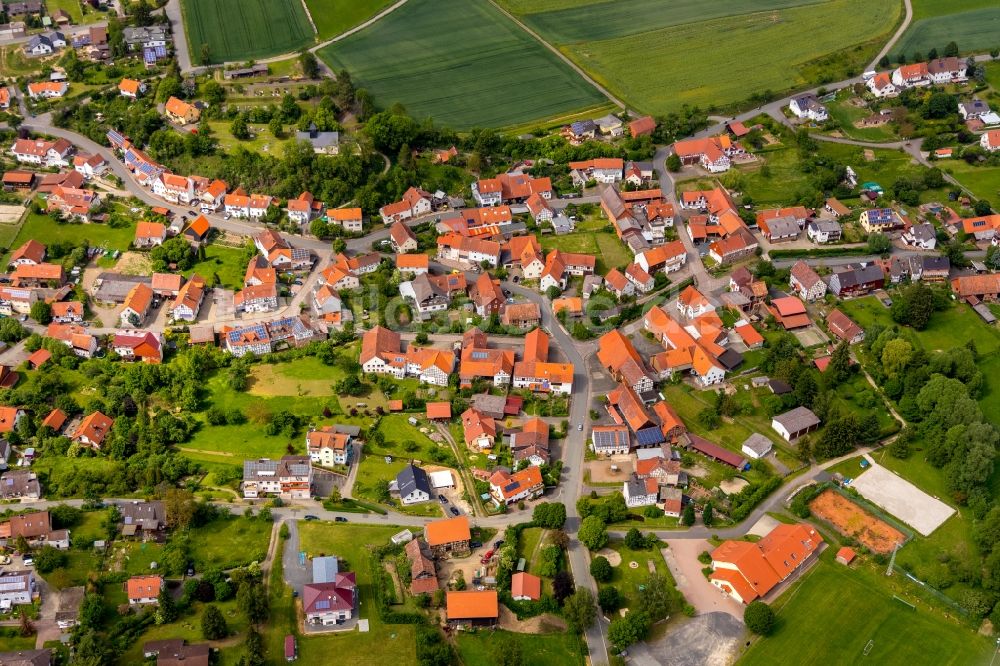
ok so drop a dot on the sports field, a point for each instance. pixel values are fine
(462, 63)
(838, 615)
(239, 30)
(974, 30)
(333, 17)
(659, 55)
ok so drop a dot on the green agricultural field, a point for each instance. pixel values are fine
(556, 649)
(610, 19)
(833, 614)
(782, 44)
(333, 17)
(462, 63)
(973, 24)
(240, 30)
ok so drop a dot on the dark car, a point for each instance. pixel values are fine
(498, 543)
(339, 519)
(192, 213)
(455, 512)
(310, 517)
(475, 544)
(444, 500)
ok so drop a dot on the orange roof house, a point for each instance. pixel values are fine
(31, 252)
(39, 358)
(438, 410)
(790, 312)
(130, 87)
(448, 533)
(93, 429)
(473, 606)
(55, 420)
(143, 589)
(9, 418)
(181, 112)
(747, 571)
(525, 587)
(642, 126)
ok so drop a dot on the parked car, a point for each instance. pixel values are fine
(310, 517)
(443, 499)
(498, 543)
(192, 213)
(475, 544)
(455, 512)
(579, 427)
(339, 519)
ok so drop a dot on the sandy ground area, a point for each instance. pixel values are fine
(733, 486)
(902, 499)
(852, 520)
(134, 263)
(10, 214)
(600, 470)
(613, 557)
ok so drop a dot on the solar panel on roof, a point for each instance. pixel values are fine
(649, 436)
(510, 486)
(479, 355)
(322, 604)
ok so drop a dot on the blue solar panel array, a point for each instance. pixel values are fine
(116, 138)
(880, 215)
(649, 436)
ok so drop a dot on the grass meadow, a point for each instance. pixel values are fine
(984, 181)
(239, 30)
(835, 614)
(461, 63)
(609, 250)
(563, 649)
(333, 17)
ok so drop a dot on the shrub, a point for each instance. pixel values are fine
(601, 569)
(759, 618)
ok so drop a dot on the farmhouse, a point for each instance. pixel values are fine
(982, 287)
(415, 202)
(535, 373)
(844, 327)
(142, 590)
(806, 283)
(990, 141)
(712, 153)
(747, 571)
(856, 280)
(478, 360)
(601, 169)
(507, 489)
(448, 535)
(454, 247)
(620, 358)
(796, 423)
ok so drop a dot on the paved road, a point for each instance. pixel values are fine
(172, 10)
(895, 38)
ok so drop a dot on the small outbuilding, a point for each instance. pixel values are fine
(757, 446)
(795, 423)
(845, 556)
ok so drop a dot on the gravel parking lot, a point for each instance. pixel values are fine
(902, 499)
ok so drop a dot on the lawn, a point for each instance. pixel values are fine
(187, 627)
(837, 613)
(779, 49)
(240, 30)
(627, 579)
(225, 264)
(41, 226)
(972, 24)
(225, 543)
(332, 17)
(80, 563)
(982, 181)
(306, 376)
(71, 7)
(846, 114)
(958, 322)
(11, 640)
(403, 442)
(562, 649)
(989, 401)
(462, 63)
(383, 644)
(262, 140)
(609, 250)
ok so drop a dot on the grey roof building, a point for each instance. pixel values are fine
(795, 423)
(757, 446)
(20, 483)
(325, 569)
(146, 516)
(413, 485)
(322, 142)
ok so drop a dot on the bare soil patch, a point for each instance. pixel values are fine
(545, 623)
(134, 263)
(613, 557)
(851, 520)
(601, 472)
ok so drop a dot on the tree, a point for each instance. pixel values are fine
(951, 50)
(673, 163)
(759, 618)
(840, 363)
(878, 243)
(624, 631)
(609, 599)
(593, 533)
(896, 356)
(251, 599)
(562, 586)
(550, 515)
(687, 516)
(166, 609)
(601, 569)
(180, 507)
(239, 128)
(309, 65)
(254, 646)
(49, 559)
(11, 330)
(982, 208)
(41, 312)
(634, 539)
(553, 292)
(213, 624)
(707, 514)
(658, 598)
(579, 609)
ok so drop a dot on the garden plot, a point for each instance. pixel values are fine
(902, 499)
